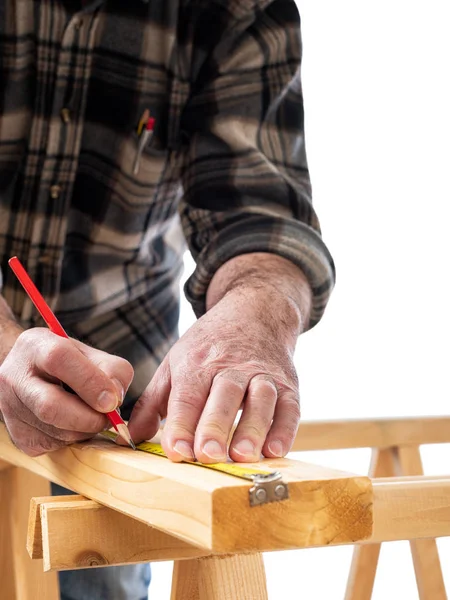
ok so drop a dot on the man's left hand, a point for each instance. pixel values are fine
(239, 354)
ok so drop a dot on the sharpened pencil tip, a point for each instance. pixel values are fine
(125, 434)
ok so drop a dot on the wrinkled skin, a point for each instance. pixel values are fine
(236, 354)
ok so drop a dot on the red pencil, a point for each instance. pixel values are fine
(55, 326)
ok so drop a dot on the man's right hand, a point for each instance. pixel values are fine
(39, 414)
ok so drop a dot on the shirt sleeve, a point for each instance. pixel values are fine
(246, 185)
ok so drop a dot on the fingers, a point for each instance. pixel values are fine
(42, 416)
(31, 441)
(63, 360)
(116, 368)
(214, 427)
(53, 406)
(186, 401)
(284, 427)
(255, 421)
(151, 406)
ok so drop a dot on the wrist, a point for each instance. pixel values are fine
(277, 312)
(272, 288)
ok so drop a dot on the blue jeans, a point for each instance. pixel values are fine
(106, 583)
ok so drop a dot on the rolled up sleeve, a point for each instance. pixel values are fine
(246, 185)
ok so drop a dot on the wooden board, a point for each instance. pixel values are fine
(232, 577)
(208, 508)
(34, 534)
(22, 578)
(7, 574)
(185, 580)
(79, 534)
(365, 556)
(406, 508)
(371, 433)
(427, 565)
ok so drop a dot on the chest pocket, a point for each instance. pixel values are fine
(137, 66)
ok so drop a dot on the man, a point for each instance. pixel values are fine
(96, 205)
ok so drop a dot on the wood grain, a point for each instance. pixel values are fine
(22, 577)
(79, 534)
(427, 565)
(7, 572)
(34, 534)
(408, 508)
(365, 557)
(185, 580)
(371, 433)
(232, 577)
(208, 508)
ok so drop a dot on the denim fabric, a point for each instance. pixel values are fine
(106, 583)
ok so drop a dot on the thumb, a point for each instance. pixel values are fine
(152, 405)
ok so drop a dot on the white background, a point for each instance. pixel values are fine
(377, 100)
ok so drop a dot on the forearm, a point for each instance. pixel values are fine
(276, 285)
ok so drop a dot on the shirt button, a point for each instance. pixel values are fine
(66, 115)
(55, 192)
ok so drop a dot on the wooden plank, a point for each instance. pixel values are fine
(232, 577)
(371, 433)
(404, 508)
(185, 580)
(34, 534)
(7, 573)
(427, 565)
(24, 579)
(208, 508)
(408, 508)
(79, 534)
(365, 557)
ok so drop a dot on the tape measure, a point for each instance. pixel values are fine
(267, 485)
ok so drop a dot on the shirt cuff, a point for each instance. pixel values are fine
(288, 238)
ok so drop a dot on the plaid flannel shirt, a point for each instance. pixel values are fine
(225, 169)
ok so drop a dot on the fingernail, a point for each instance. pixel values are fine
(184, 450)
(214, 450)
(244, 448)
(107, 401)
(120, 391)
(276, 448)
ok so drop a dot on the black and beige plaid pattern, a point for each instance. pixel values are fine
(226, 166)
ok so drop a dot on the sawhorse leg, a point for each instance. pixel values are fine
(220, 578)
(397, 462)
(21, 578)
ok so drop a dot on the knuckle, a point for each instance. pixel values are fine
(47, 411)
(127, 371)
(292, 412)
(233, 378)
(263, 387)
(95, 380)
(215, 429)
(185, 403)
(54, 354)
(253, 429)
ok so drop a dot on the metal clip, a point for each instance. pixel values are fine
(268, 488)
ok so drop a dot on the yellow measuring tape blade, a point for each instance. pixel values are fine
(229, 468)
